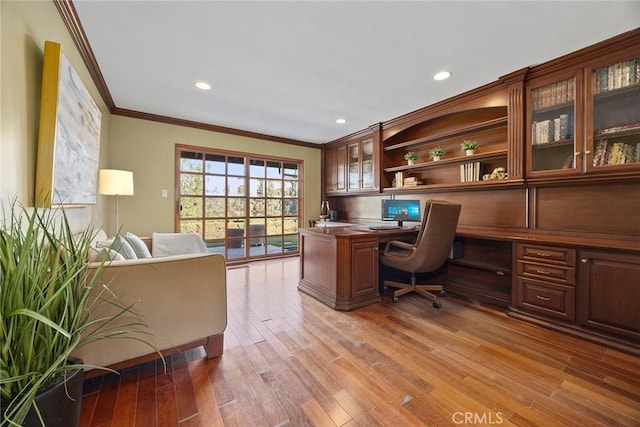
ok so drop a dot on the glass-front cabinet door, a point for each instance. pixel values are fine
(613, 135)
(360, 163)
(353, 164)
(553, 137)
(367, 165)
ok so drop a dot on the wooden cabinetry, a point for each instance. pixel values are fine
(613, 103)
(364, 277)
(339, 265)
(552, 123)
(352, 164)
(601, 302)
(568, 134)
(360, 170)
(335, 169)
(610, 293)
(545, 280)
(586, 119)
(486, 126)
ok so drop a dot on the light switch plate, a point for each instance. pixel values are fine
(164, 193)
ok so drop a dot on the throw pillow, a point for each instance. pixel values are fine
(166, 244)
(140, 248)
(119, 245)
(97, 255)
(124, 248)
(114, 256)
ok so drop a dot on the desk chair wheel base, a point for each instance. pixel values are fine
(427, 291)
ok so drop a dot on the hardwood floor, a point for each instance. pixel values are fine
(290, 360)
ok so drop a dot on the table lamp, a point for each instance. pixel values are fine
(114, 182)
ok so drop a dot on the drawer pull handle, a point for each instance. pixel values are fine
(543, 298)
(542, 254)
(543, 272)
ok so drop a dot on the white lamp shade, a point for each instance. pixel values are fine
(113, 182)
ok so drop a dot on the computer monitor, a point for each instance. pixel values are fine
(400, 210)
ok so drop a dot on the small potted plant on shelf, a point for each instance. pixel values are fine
(469, 147)
(436, 153)
(410, 157)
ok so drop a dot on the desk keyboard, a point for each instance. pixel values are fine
(384, 227)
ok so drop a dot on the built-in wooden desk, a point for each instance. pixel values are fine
(339, 265)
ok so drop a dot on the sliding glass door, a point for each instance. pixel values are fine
(243, 206)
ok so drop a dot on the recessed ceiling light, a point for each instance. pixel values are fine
(341, 121)
(442, 75)
(203, 85)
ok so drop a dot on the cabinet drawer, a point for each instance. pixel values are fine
(562, 275)
(546, 254)
(549, 299)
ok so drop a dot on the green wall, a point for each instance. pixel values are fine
(148, 149)
(145, 147)
(25, 27)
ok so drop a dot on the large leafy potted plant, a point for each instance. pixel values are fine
(46, 297)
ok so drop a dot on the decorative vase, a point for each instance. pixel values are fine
(410, 162)
(436, 158)
(470, 152)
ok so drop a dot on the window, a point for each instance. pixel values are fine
(243, 206)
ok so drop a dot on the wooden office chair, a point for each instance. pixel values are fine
(428, 253)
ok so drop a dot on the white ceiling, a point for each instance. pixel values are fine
(291, 68)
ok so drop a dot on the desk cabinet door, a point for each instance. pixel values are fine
(364, 273)
(610, 292)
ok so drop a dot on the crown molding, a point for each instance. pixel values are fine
(209, 127)
(70, 18)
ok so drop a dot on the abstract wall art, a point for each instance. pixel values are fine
(69, 135)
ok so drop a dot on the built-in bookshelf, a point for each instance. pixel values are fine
(563, 138)
(616, 114)
(552, 125)
(602, 100)
(485, 126)
(446, 172)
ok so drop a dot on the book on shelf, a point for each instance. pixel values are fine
(398, 180)
(558, 129)
(616, 153)
(599, 156)
(616, 76)
(553, 94)
(470, 172)
(412, 181)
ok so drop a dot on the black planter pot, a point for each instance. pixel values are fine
(59, 405)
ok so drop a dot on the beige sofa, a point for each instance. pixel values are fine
(182, 299)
